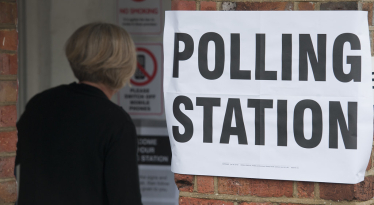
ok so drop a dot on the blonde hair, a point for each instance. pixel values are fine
(102, 53)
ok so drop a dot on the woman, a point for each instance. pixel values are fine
(75, 146)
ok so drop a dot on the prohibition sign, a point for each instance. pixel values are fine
(146, 74)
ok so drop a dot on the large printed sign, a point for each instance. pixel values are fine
(274, 95)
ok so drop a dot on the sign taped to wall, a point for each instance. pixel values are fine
(143, 99)
(157, 184)
(140, 17)
(286, 95)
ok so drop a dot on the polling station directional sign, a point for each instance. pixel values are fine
(274, 95)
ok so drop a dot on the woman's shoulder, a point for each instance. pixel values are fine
(49, 93)
(119, 113)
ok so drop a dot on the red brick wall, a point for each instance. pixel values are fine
(8, 98)
(208, 190)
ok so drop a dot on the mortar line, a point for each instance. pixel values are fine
(8, 77)
(8, 129)
(370, 202)
(219, 6)
(318, 6)
(8, 26)
(370, 172)
(215, 183)
(7, 103)
(295, 194)
(195, 184)
(7, 154)
(316, 191)
(289, 1)
(8, 51)
(295, 6)
(8, 179)
(359, 5)
(239, 198)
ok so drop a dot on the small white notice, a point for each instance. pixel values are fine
(144, 99)
(284, 95)
(157, 184)
(140, 17)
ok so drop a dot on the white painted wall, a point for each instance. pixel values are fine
(48, 24)
(66, 17)
(372, 76)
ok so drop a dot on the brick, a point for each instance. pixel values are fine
(339, 6)
(336, 192)
(205, 184)
(8, 13)
(183, 5)
(7, 167)
(306, 6)
(369, 164)
(264, 6)
(8, 91)
(290, 204)
(208, 6)
(254, 203)
(184, 182)
(233, 186)
(339, 192)
(371, 155)
(365, 190)
(8, 64)
(8, 116)
(368, 6)
(305, 189)
(271, 188)
(372, 44)
(8, 141)
(8, 40)
(8, 192)
(195, 201)
(255, 187)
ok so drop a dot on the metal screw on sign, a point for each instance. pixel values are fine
(149, 77)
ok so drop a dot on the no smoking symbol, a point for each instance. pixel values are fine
(148, 76)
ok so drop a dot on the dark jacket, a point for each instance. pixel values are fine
(76, 147)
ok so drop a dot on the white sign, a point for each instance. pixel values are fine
(268, 94)
(140, 17)
(157, 184)
(143, 99)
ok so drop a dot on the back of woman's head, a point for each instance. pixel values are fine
(102, 53)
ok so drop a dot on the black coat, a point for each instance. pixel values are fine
(76, 147)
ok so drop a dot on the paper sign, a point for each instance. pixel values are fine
(140, 17)
(269, 94)
(143, 99)
(157, 184)
(154, 150)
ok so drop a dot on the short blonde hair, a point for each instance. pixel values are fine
(102, 53)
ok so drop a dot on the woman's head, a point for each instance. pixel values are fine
(102, 53)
